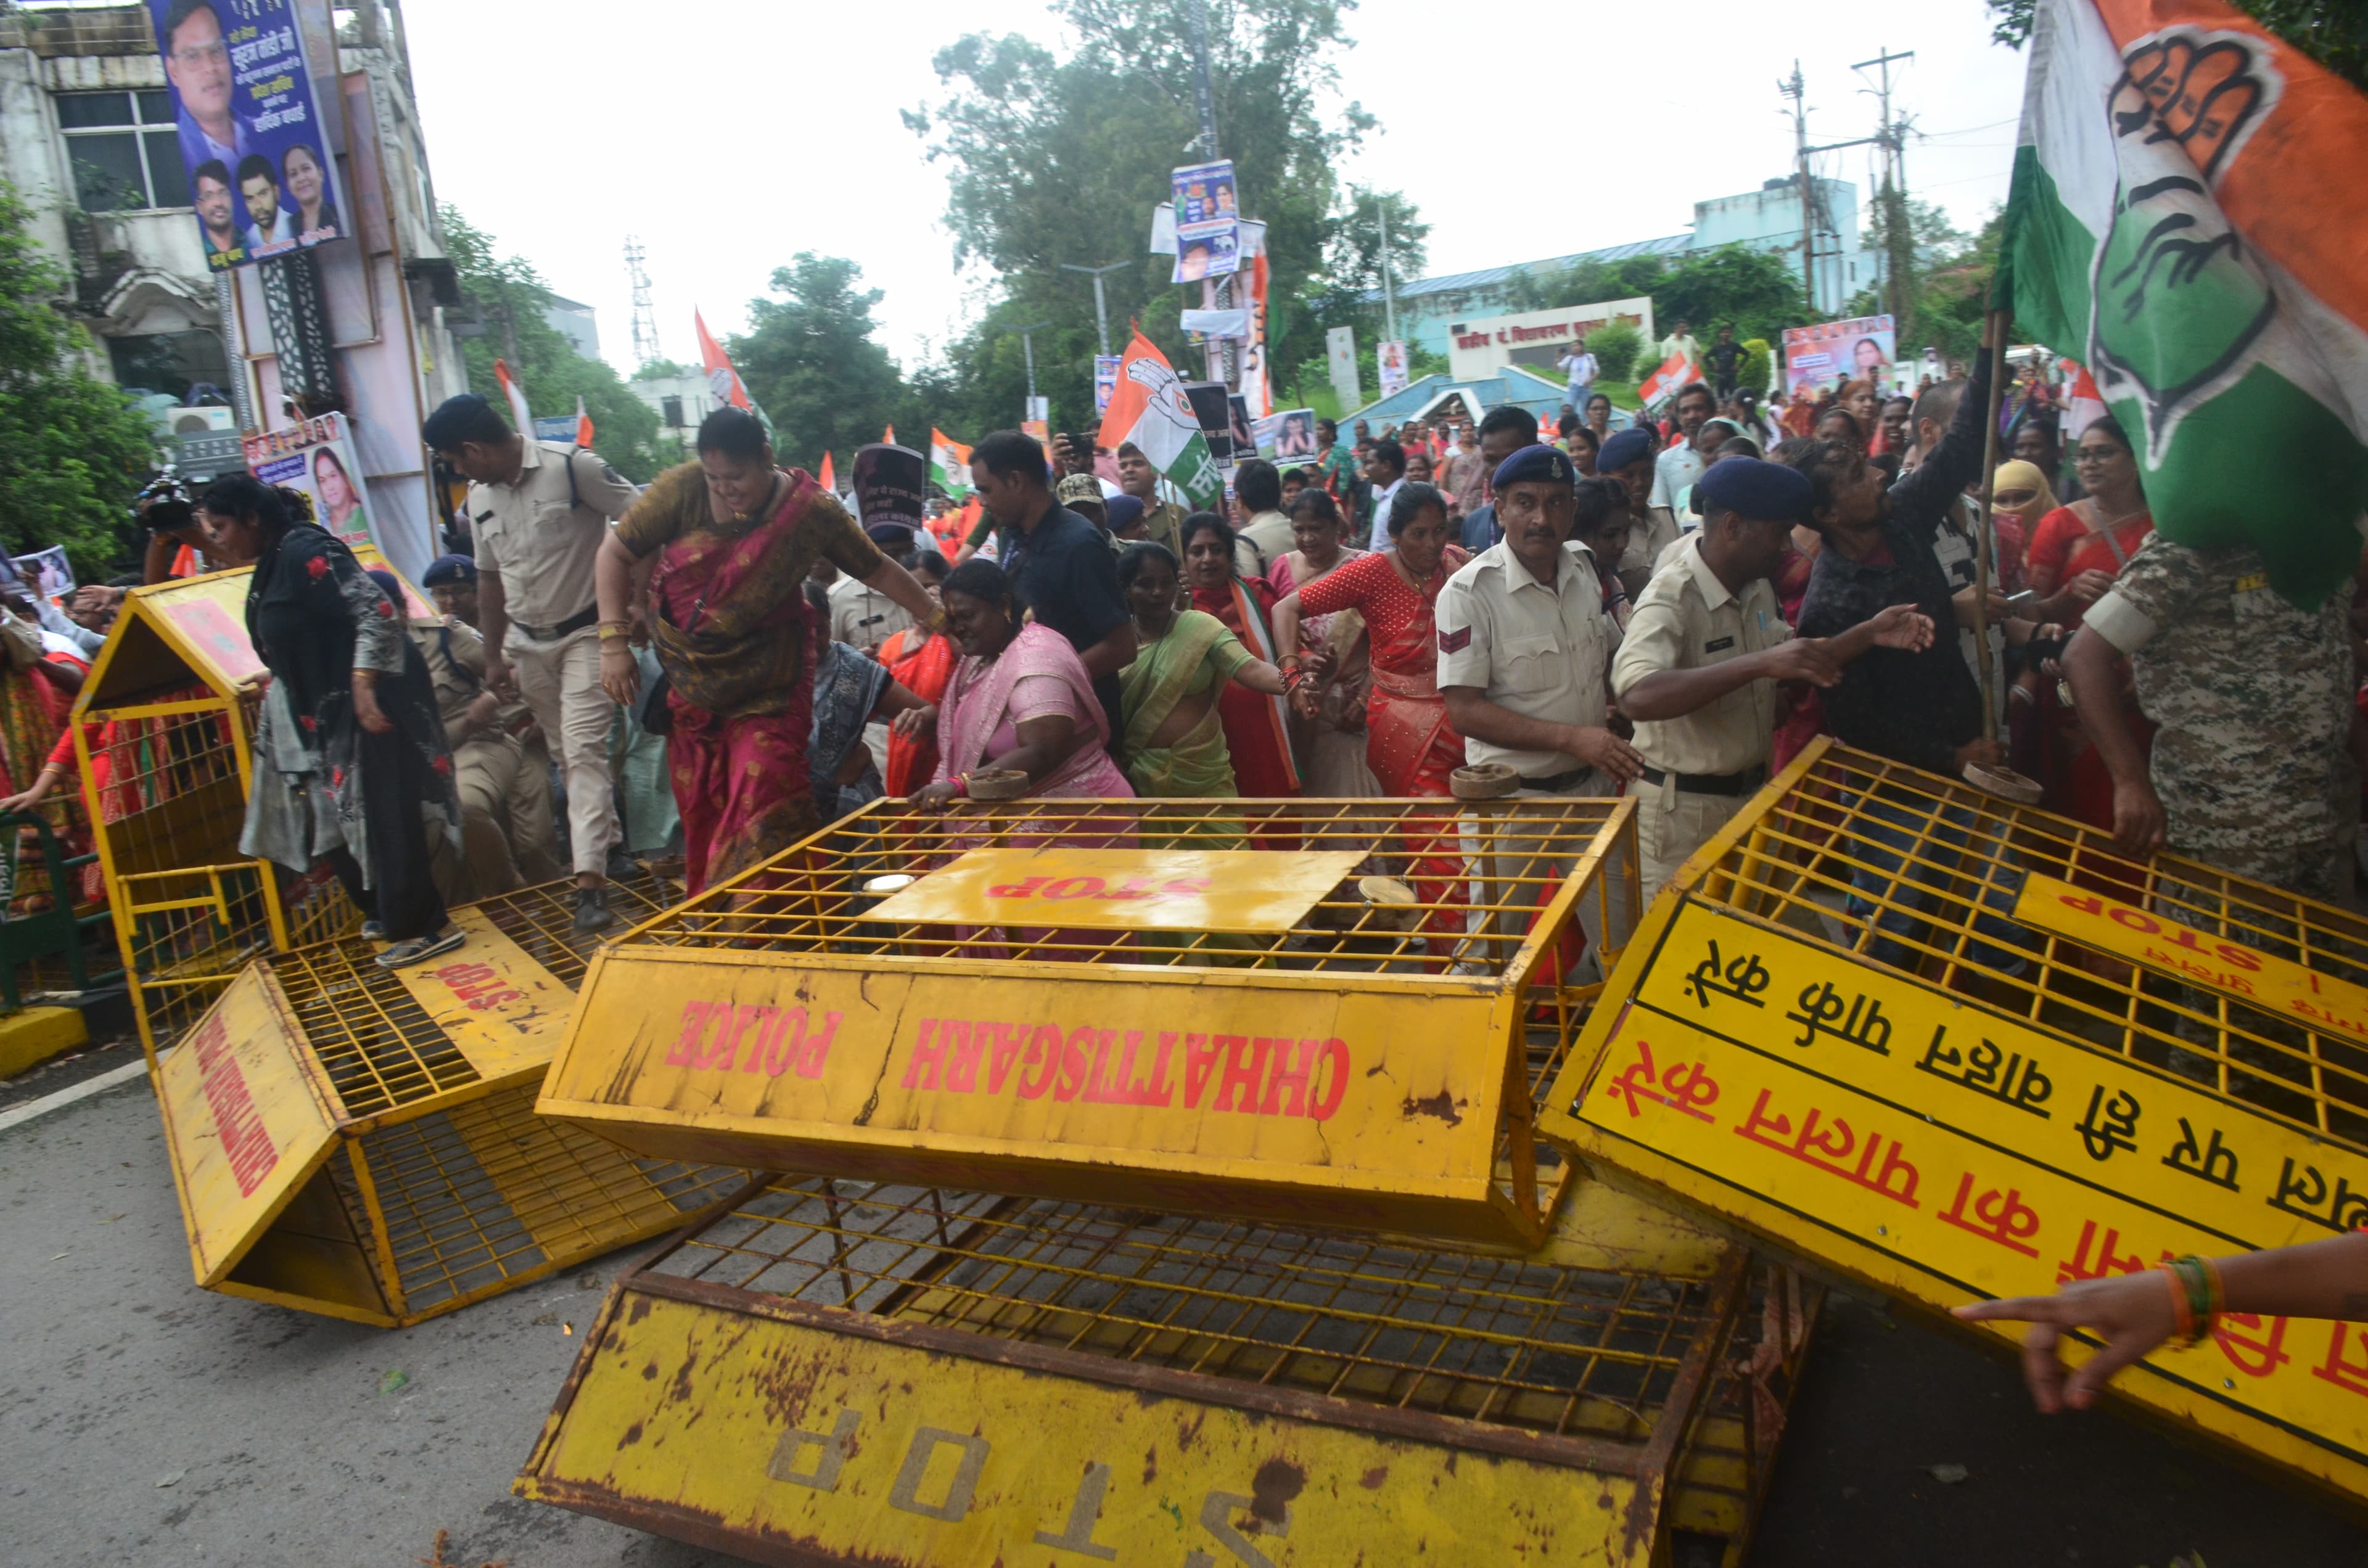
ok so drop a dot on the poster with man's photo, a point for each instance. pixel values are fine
(260, 173)
(317, 457)
(48, 571)
(1207, 222)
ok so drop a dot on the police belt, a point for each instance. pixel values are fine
(1741, 783)
(1559, 783)
(574, 623)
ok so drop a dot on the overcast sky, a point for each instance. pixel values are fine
(734, 135)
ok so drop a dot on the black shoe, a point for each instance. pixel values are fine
(592, 910)
(373, 932)
(622, 866)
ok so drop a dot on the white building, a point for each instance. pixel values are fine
(575, 321)
(86, 138)
(680, 402)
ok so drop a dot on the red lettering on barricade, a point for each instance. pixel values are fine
(1200, 1055)
(245, 1143)
(2237, 1334)
(1244, 1068)
(2000, 1217)
(2351, 1376)
(963, 1055)
(1073, 1061)
(1335, 1085)
(921, 1072)
(1286, 1076)
(1044, 1055)
(2106, 1261)
(1833, 1144)
(694, 1022)
(480, 985)
(1689, 1082)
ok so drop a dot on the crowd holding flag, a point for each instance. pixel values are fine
(1149, 409)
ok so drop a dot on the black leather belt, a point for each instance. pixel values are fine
(1559, 782)
(1741, 783)
(553, 633)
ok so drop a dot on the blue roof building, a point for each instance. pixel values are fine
(1420, 397)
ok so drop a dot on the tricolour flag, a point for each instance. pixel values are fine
(522, 420)
(583, 424)
(2178, 225)
(948, 464)
(1149, 408)
(1662, 384)
(826, 478)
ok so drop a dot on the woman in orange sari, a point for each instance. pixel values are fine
(922, 662)
(1257, 735)
(2072, 559)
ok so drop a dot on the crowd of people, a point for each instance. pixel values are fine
(1667, 604)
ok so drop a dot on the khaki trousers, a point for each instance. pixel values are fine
(1671, 824)
(561, 682)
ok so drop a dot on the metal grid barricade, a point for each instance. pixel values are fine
(1315, 1011)
(899, 1374)
(1957, 1048)
(361, 1141)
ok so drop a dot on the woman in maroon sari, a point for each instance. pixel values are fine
(724, 545)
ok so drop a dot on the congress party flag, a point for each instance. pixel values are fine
(2175, 225)
(583, 424)
(722, 379)
(1675, 372)
(514, 396)
(826, 478)
(948, 464)
(1149, 408)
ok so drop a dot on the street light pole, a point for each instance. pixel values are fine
(1028, 346)
(1102, 311)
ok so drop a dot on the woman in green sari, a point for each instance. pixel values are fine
(1175, 740)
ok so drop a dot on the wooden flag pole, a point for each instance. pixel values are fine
(1984, 531)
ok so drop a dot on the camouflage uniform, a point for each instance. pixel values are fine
(2253, 698)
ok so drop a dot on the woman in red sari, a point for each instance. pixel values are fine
(1409, 744)
(922, 662)
(724, 545)
(2071, 559)
(1257, 732)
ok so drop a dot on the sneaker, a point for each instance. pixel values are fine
(420, 950)
(592, 910)
(622, 866)
(373, 932)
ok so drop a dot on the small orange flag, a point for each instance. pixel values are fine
(888, 435)
(824, 478)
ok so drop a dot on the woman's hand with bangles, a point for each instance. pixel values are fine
(2133, 1313)
(621, 676)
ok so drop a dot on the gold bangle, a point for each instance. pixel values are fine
(366, 677)
(614, 629)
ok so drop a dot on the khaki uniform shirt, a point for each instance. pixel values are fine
(862, 617)
(539, 539)
(1164, 523)
(455, 656)
(1687, 620)
(1540, 650)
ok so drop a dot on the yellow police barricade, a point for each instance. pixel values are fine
(1196, 1006)
(845, 1372)
(2040, 1063)
(361, 1141)
(164, 735)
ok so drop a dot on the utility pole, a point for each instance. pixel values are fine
(1898, 245)
(1101, 310)
(645, 315)
(1797, 91)
(1028, 346)
(1205, 98)
(1389, 295)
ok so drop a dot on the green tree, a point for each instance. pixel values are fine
(658, 370)
(1585, 282)
(1054, 158)
(510, 298)
(2333, 32)
(809, 362)
(1615, 349)
(1753, 290)
(73, 449)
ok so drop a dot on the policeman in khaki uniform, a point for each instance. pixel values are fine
(1704, 648)
(1525, 649)
(540, 510)
(506, 835)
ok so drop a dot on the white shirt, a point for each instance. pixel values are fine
(1382, 499)
(1540, 650)
(1673, 471)
(1580, 367)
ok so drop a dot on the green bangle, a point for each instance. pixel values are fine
(2196, 1280)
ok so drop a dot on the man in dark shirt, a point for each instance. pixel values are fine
(1724, 361)
(1060, 564)
(1920, 707)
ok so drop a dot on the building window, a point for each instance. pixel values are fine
(125, 150)
(670, 411)
(170, 362)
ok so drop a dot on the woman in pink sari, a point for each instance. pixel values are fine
(1019, 701)
(724, 545)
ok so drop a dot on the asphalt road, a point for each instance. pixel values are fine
(144, 1421)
